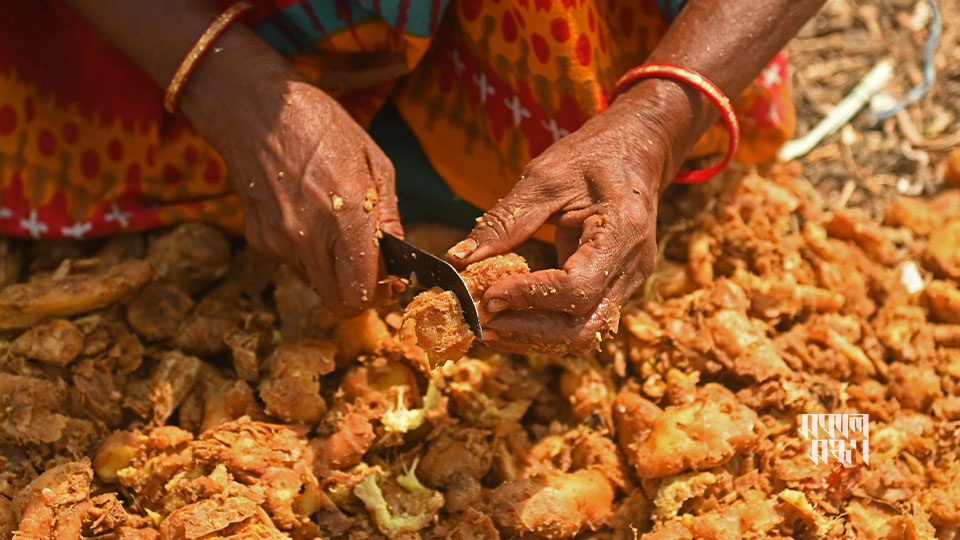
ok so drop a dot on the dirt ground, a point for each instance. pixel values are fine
(903, 155)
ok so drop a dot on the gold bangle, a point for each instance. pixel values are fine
(186, 67)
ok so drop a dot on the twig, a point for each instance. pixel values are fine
(870, 84)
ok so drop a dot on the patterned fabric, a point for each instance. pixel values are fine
(86, 149)
(670, 8)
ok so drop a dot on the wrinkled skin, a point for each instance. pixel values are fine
(313, 201)
(600, 188)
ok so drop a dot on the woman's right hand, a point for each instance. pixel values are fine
(315, 189)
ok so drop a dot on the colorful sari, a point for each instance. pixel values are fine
(86, 149)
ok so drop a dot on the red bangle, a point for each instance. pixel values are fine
(705, 87)
(196, 52)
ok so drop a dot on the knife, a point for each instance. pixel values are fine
(405, 259)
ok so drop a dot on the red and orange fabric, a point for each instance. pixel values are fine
(86, 149)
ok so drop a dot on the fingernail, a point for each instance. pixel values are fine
(497, 305)
(490, 335)
(464, 249)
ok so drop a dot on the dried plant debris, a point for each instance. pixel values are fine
(140, 400)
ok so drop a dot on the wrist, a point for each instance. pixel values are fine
(238, 85)
(677, 114)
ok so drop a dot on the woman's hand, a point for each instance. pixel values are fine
(600, 187)
(316, 190)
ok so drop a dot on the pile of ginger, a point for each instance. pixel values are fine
(176, 385)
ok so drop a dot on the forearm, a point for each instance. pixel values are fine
(157, 34)
(727, 42)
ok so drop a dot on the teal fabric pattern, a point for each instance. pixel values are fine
(669, 9)
(295, 28)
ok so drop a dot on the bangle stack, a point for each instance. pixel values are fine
(196, 52)
(705, 87)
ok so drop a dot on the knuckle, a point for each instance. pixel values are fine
(497, 221)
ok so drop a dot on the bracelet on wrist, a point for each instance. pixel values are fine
(705, 87)
(175, 88)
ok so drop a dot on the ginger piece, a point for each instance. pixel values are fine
(273, 457)
(915, 387)
(243, 349)
(301, 312)
(170, 469)
(8, 513)
(402, 419)
(159, 397)
(593, 450)
(251, 272)
(435, 315)
(29, 410)
(554, 504)
(230, 402)
(56, 342)
(375, 388)
(588, 388)
(700, 259)
(677, 490)
(25, 304)
(117, 452)
(157, 310)
(350, 439)
(705, 433)
(365, 334)
(480, 275)
(202, 332)
(491, 391)
(105, 515)
(191, 256)
(208, 516)
(291, 390)
(681, 387)
(455, 462)
(913, 214)
(943, 298)
(744, 348)
(469, 525)
(53, 505)
(873, 521)
(943, 251)
(854, 224)
(753, 517)
(400, 504)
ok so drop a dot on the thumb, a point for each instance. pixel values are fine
(508, 224)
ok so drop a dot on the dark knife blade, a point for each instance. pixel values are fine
(404, 259)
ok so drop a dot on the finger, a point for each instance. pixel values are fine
(356, 263)
(552, 332)
(323, 281)
(577, 287)
(509, 223)
(385, 199)
(316, 270)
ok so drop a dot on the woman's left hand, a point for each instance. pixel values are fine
(600, 187)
